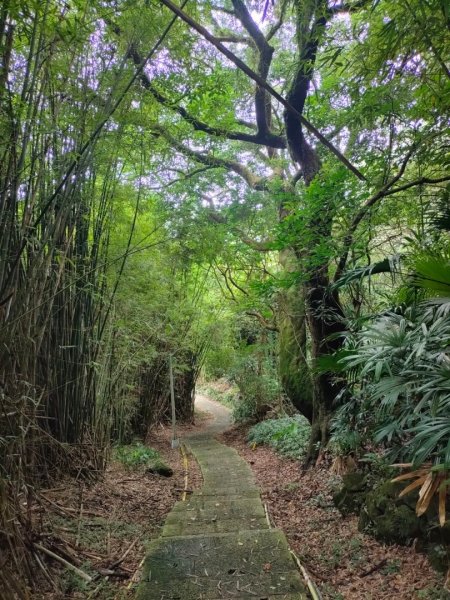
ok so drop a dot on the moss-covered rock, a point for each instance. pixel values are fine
(438, 555)
(355, 482)
(350, 498)
(389, 518)
(160, 468)
(393, 520)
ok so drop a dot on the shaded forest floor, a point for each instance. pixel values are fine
(119, 515)
(125, 509)
(345, 564)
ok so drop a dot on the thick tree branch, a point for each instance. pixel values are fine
(254, 181)
(234, 39)
(264, 322)
(265, 53)
(184, 177)
(262, 137)
(265, 138)
(300, 150)
(246, 69)
(416, 182)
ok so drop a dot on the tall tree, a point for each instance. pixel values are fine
(240, 134)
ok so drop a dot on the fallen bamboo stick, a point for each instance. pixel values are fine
(135, 575)
(266, 510)
(316, 595)
(64, 562)
(120, 560)
(186, 466)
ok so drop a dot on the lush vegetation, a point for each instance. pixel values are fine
(277, 217)
(287, 435)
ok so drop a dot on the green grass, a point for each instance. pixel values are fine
(287, 435)
(137, 455)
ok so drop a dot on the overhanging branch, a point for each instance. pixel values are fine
(254, 181)
(263, 137)
(263, 321)
(260, 246)
(265, 53)
(246, 69)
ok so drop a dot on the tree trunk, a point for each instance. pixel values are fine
(293, 361)
(325, 321)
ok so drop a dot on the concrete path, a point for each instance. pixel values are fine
(218, 544)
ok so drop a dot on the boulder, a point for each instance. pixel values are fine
(389, 518)
(160, 469)
(350, 498)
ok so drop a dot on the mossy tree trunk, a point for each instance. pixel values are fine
(325, 323)
(294, 369)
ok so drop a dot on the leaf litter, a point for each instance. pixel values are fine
(103, 529)
(344, 563)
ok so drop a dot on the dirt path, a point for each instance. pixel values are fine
(219, 544)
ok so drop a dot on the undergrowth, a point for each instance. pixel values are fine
(289, 436)
(226, 396)
(137, 455)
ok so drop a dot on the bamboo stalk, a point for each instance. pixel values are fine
(64, 562)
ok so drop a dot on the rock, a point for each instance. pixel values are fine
(160, 469)
(354, 482)
(389, 518)
(438, 557)
(350, 498)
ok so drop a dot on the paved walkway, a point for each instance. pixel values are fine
(218, 544)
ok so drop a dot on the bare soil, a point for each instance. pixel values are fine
(344, 563)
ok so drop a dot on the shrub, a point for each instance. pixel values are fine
(259, 389)
(399, 372)
(245, 410)
(221, 391)
(287, 435)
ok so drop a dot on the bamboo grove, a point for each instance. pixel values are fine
(63, 374)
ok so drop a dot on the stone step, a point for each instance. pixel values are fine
(227, 502)
(210, 493)
(218, 544)
(249, 564)
(235, 490)
(228, 477)
(207, 509)
(227, 483)
(186, 527)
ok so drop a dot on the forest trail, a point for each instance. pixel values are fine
(218, 544)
